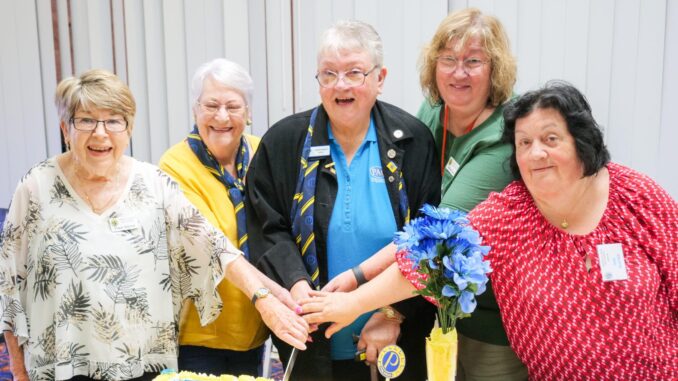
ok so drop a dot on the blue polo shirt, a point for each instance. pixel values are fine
(362, 222)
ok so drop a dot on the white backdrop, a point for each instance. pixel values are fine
(618, 52)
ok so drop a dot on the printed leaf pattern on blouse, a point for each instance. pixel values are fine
(93, 290)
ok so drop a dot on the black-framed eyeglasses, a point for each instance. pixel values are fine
(90, 124)
(351, 78)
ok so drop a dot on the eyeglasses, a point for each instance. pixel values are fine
(352, 78)
(448, 64)
(90, 124)
(212, 108)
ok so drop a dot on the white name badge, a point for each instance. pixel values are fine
(122, 223)
(611, 259)
(319, 151)
(452, 166)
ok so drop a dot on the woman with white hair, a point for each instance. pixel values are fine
(329, 187)
(210, 167)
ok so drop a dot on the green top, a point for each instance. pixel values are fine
(475, 165)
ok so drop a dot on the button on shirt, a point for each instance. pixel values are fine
(362, 222)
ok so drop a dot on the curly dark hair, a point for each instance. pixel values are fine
(573, 107)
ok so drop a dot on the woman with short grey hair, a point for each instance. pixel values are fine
(329, 187)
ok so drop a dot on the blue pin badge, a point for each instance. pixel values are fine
(391, 361)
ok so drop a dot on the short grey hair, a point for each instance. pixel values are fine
(352, 35)
(225, 72)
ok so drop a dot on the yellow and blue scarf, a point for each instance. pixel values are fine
(234, 185)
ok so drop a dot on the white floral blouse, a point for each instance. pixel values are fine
(100, 295)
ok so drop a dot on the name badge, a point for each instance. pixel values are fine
(452, 166)
(611, 259)
(319, 151)
(122, 223)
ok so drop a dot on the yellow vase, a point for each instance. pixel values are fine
(441, 355)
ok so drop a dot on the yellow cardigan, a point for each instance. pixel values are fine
(239, 326)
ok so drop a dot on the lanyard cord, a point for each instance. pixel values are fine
(445, 132)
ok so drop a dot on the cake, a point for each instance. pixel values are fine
(172, 375)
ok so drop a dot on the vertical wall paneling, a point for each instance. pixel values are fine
(507, 12)
(620, 53)
(258, 62)
(91, 37)
(575, 42)
(599, 59)
(156, 78)
(668, 136)
(528, 45)
(21, 94)
(118, 38)
(279, 48)
(179, 120)
(64, 39)
(624, 72)
(48, 76)
(137, 78)
(235, 33)
(552, 42)
(643, 130)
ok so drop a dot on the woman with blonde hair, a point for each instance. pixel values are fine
(100, 251)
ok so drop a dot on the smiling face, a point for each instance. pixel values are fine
(96, 152)
(462, 91)
(221, 131)
(546, 152)
(350, 106)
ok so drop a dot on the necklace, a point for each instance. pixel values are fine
(564, 224)
(108, 202)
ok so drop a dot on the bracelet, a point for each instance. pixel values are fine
(359, 276)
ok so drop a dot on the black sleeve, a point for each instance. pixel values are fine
(271, 180)
(422, 179)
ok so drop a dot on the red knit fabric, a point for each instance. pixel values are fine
(566, 323)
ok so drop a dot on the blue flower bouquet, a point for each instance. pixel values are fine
(442, 255)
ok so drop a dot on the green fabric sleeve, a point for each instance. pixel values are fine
(484, 173)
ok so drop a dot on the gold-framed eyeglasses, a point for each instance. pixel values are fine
(351, 78)
(212, 108)
(448, 64)
(90, 124)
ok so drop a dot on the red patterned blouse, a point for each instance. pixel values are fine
(566, 323)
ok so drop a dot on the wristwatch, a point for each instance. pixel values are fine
(392, 314)
(260, 294)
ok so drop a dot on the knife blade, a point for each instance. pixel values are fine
(290, 364)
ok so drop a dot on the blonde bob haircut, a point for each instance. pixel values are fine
(460, 26)
(95, 89)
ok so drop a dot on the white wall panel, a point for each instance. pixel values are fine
(258, 59)
(176, 73)
(620, 53)
(647, 92)
(22, 125)
(137, 78)
(48, 77)
(280, 66)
